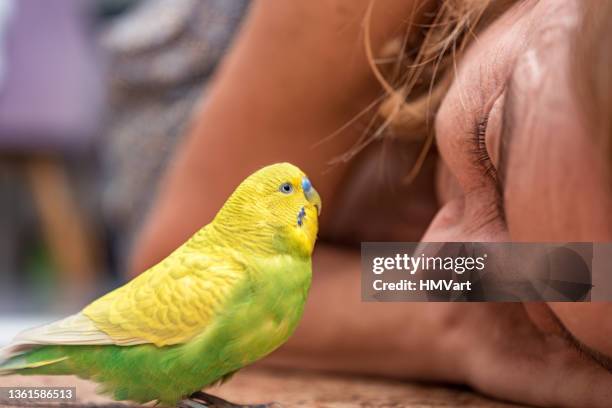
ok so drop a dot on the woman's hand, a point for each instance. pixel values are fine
(521, 352)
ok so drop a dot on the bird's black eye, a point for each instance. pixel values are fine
(286, 188)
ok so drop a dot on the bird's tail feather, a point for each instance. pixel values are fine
(12, 362)
(6, 354)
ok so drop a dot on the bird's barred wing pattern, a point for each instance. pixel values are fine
(169, 304)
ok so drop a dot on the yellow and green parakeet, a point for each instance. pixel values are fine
(231, 294)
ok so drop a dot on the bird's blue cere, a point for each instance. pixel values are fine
(306, 185)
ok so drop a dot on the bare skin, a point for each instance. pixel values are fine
(297, 73)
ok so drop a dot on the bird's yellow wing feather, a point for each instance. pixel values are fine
(170, 303)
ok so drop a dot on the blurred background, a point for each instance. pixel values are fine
(94, 96)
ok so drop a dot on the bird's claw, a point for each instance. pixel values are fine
(203, 400)
(191, 404)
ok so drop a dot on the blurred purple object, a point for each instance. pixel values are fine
(51, 96)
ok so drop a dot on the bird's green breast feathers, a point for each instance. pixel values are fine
(266, 308)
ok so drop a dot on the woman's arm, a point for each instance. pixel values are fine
(296, 73)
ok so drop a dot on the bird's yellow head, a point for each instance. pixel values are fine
(277, 206)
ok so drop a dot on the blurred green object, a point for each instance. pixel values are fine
(40, 275)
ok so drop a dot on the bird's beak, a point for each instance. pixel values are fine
(313, 198)
(311, 194)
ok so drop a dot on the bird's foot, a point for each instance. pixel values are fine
(190, 404)
(203, 400)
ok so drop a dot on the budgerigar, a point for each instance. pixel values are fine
(231, 294)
